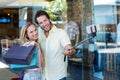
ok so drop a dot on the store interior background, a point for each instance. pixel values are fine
(85, 13)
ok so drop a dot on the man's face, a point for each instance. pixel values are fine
(44, 23)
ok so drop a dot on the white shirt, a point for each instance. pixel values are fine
(53, 47)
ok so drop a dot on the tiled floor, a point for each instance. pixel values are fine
(5, 73)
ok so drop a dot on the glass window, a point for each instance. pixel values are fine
(107, 56)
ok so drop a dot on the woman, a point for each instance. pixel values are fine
(29, 36)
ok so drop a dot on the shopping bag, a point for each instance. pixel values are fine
(33, 64)
(18, 54)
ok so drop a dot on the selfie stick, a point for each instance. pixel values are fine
(77, 45)
(92, 29)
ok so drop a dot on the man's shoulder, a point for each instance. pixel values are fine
(59, 30)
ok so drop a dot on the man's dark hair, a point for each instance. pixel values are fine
(40, 13)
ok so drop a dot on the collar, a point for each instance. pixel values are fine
(53, 29)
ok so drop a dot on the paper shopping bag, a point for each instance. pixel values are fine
(33, 64)
(18, 54)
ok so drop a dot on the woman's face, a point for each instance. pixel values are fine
(44, 23)
(32, 33)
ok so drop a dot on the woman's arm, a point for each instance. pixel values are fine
(41, 56)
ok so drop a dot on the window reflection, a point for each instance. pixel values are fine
(22, 16)
(107, 57)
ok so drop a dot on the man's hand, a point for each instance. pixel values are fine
(69, 50)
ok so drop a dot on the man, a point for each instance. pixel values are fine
(55, 44)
